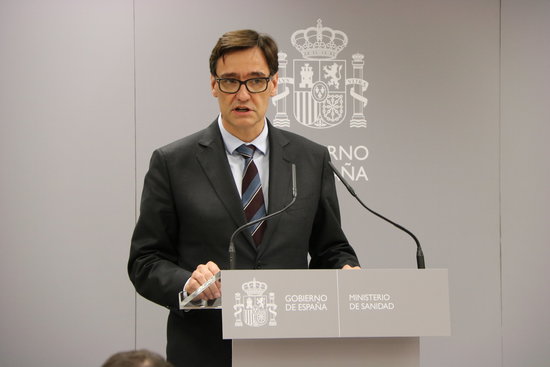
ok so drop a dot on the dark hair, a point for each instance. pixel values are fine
(136, 358)
(242, 40)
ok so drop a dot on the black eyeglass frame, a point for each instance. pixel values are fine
(245, 82)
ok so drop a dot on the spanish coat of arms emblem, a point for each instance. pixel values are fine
(320, 82)
(255, 308)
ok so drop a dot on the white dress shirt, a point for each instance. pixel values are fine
(236, 161)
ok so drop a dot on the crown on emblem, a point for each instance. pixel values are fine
(254, 287)
(319, 42)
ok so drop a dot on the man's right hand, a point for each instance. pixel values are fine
(200, 276)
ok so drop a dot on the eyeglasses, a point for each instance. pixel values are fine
(253, 85)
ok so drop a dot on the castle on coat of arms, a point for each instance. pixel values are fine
(319, 83)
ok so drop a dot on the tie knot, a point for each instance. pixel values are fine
(246, 151)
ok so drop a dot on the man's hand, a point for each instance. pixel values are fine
(346, 267)
(200, 276)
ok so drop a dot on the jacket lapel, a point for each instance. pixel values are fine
(280, 180)
(212, 157)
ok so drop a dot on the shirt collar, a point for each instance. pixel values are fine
(231, 142)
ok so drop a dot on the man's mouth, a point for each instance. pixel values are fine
(242, 109)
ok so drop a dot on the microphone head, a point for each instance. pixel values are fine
(342, 179)
(294, 185)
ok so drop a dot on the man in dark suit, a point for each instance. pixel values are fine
(193, 201)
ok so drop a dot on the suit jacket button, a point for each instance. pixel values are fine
(258, 266)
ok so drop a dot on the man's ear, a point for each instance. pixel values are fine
(275, 81)
(213, 86)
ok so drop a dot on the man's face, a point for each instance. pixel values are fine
(243, 112)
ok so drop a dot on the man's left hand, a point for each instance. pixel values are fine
(346, 267)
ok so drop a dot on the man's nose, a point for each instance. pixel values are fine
(243, 94)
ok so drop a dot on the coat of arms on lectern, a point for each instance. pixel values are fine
(255, 308)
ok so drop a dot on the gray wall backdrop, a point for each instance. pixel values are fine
(458, 124)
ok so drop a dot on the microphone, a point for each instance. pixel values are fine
(232, 258)
(419, 254)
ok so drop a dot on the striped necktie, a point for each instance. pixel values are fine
(252, 194)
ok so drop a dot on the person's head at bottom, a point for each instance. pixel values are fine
(136, 358)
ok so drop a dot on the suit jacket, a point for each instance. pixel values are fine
(189, 209)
